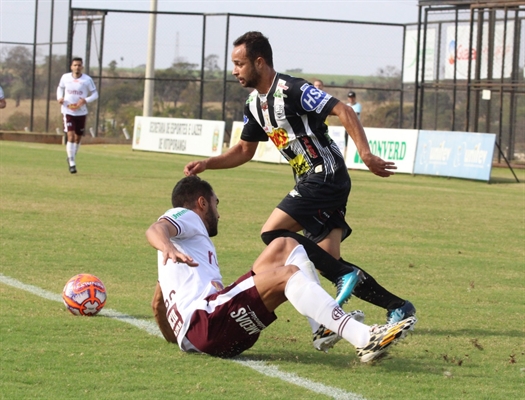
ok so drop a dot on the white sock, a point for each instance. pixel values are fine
(76, 147)
(299, 258)
(312, 301)
(70, 153)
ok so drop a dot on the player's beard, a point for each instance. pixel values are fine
(212, 223)
(253, 79)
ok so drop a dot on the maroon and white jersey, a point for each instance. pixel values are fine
(292, 115)
(183, 287)
(73, 89)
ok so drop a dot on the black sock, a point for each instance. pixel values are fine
(372, 292)
(327, 265)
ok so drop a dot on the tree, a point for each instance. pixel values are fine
(18, 65)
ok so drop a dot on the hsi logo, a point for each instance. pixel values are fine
(313, 98)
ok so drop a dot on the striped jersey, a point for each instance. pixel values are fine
(292, 115)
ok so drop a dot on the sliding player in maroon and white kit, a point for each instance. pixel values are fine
(194, 309)
(74, 91)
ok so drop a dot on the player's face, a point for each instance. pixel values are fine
(212, 217)
(76, 67)
(243, 68)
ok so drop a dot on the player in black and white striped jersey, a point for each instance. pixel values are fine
(291, 113)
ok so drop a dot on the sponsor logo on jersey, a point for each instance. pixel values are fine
(281, 84)
(313, 98)
(75, 92)
(300, 165)
(279, 110)
(245, 119)
(180, 213)
(279, 137)
(294, 193)
(251, 97)
(247, 320)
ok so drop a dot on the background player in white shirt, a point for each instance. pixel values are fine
(193, 309)
(74, 91)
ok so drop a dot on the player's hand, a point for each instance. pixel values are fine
(61, 100)
(379, 166)
(194, 168)
(176, 256)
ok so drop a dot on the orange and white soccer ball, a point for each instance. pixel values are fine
(84, 294)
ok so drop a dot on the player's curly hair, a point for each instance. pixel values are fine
(257, 45)
(188, 190)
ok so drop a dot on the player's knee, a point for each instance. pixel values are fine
(268, 236)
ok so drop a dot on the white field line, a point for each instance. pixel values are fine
(152, 329)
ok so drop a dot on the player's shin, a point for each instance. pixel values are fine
(299, 258)
(368, 289)
(312, 301)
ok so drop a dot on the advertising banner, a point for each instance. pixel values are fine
(266, 151)
(176, 135)
(461, 49)
(411, 54)
(337, 133)
(397, 145)
(455, 154)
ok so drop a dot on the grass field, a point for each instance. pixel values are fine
(455, 248)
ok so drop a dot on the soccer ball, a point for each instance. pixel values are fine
(84, 294)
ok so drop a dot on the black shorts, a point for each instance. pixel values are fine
(319, 205)
(75, 123)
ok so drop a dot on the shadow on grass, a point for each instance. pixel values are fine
(500, 180)
(473, 332)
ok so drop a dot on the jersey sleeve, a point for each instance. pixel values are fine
(60, 88)
(252, 131)
(306, 98)
(188, 223)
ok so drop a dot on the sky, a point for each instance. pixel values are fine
(317, 47)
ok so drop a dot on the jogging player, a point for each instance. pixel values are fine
(74, 91)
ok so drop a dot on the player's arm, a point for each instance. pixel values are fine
(60, 92)
(349, 119)
(93, 95)
(159, 312)
(159, 234)
(237, 155)
(2, 103)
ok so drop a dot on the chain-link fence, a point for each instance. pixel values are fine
(193, 69)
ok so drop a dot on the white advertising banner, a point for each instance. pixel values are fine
(177, 135)
(397, 145)
(337, 133)
(462, 49)
(411, 54)
(266, 151)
